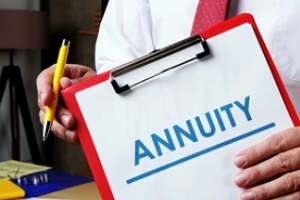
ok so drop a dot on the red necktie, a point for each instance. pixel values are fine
(208, 13)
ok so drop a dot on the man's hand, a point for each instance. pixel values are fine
(64, 123)
(271, 169)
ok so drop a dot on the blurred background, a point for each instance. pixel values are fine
(76, 20)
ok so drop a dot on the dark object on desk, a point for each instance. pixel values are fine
(22, 29)
(45, 182)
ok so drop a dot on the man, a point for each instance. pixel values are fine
(132, 28)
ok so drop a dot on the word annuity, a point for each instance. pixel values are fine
(175, 137)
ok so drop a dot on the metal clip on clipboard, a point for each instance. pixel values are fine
(154, 56)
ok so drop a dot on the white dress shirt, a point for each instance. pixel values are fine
(132, 28)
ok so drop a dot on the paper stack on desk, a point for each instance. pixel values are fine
(14, 169)
(34, 180)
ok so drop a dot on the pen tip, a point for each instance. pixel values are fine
(46, 129)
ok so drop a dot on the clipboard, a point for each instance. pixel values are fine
(166, 126)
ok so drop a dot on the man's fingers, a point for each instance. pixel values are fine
(44, 86)
(286, 185)
(270, 168)
(64, 133)
(273, 145)
(63, 128)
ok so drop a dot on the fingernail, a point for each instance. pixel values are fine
(70, 135)
(43, 97)
(248, 196)
(241, 179)
(65, 119)
(240, 161)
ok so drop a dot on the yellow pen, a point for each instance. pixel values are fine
(59, 71)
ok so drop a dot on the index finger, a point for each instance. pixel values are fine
(280, 142)
(44, 86)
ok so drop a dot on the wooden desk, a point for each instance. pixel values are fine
(81, 192)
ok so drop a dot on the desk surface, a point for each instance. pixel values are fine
(81, 192)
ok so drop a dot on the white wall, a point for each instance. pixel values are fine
(29, 63)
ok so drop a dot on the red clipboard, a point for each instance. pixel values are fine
(69, 96)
